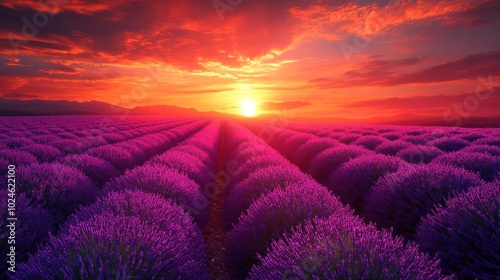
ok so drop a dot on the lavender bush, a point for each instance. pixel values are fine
(273, 215)
(17, 157)
(329, 160)
(258, 183)
(185, 163)
(169, 183)
(492, 150)
(58, 188)
(119, 247)
(369, 142)
(419, 154)
(307, 151)
(32, 227)
(118, 157)
(401, 199)
(99, 170)
(353, 180)
(342, 247)
(466, 233)
(392, 148)
(450, 144)
(17, 142)
(487, 166)
(43, 153)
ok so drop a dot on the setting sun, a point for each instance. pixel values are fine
(248, 108)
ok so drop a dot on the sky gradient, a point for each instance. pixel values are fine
(329, 59)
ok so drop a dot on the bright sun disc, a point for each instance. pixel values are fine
(248, 108)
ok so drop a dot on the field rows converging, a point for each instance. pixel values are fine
(187, 198)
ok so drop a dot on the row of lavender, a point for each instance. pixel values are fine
(284, 225)
(27, 143)
(50, 192)
(438, 187)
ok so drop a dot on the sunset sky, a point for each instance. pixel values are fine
(348, 59)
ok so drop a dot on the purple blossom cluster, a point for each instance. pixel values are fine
(119, 247)
(402, 198)
(33, 227)
(258, 183)
(342, 247)
(58, 188)
(486, 165)
(167, 182)
(273, 215)
(465, 233)
(353, 181)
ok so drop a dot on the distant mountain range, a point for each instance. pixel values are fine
(37, 107)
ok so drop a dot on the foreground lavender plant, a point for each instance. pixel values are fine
(342, 247)
(32, 227)
(401, 199)
(273, 215)
(466, 233)
(119, 247)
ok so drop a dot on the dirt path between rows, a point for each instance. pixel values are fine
(215, 234)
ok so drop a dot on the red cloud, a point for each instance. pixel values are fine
(385, 72)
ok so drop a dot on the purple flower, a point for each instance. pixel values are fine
(291, 144)
(419, 154)
(491, 140)
(118, 247)
(310, 149)
(392, 148)
(186, 164)
(32, 227)
(17, 157)
(113, 137)
(99, 170)
(169, 183)
(273, 215)
(44, 153)
(450, 144)
(485, 164)
(349, 138)
(118, 157)
(401, 199)
(329, 160)
(45, 139)
(17, 142)
(255, 163)
(492, 150)
(58, 188)
(466, 233)
(68, 146)
(258, 183)
(370, 142)
(392, 135)
(353, 180)
(149, 207)
(342, 247)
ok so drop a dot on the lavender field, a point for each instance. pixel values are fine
(193, 198)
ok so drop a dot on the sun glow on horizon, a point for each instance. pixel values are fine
(248, 108)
